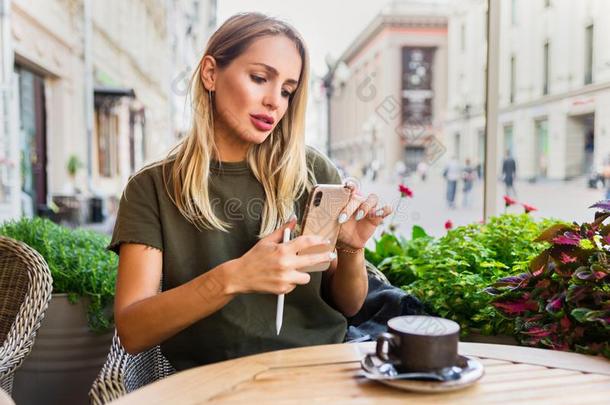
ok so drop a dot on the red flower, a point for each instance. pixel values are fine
(405, 191)
(529, 208)
(509, 201)
(448, 224)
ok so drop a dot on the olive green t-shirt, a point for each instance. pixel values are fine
(246, 325)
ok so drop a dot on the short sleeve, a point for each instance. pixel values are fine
(324, 169)
(138, 219)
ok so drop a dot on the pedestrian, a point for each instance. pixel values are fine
(400, 171)
(509, 171)
(452, 175)
(219, 264)
(422, 170)
(606, 177)
(468, 176)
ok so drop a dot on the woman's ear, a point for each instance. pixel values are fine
(208, 72)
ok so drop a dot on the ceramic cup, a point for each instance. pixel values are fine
(419, 343)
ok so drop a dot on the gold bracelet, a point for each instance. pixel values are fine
(343, 249)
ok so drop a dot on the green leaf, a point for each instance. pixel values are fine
(418, 232)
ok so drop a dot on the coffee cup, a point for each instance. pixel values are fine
(419, 343)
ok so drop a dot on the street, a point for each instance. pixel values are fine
(566, 200)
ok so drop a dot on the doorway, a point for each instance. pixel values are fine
(580, 145)
(541, 155)
(33, 141)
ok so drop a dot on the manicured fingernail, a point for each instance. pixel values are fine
(359, 215)
(379, 212)
(292, 218)
(342, 218)
(332, 255)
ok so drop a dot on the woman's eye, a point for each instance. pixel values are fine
(258, 79)
(286, 93)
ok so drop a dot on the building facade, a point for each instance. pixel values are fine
(390, 106)
(92, 83)
(554, 101)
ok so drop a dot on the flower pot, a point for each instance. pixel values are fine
(476, 337)
(65, 359)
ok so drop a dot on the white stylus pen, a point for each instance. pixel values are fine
(279, 314)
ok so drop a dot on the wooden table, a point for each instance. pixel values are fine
(5, 398)
(330, 374)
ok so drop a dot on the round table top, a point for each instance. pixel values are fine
(332, 374)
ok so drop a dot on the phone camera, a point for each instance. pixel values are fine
(317, 198)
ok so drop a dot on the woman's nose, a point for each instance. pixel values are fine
(272, 99)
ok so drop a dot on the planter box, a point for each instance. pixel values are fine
(65, 359)
(476, 337)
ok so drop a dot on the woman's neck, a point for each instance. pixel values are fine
(230, 147)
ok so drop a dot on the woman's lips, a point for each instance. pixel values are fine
(260, 124)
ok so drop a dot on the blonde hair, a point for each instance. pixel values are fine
(279, 163)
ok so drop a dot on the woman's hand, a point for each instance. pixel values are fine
(360, 218)
(272, 266)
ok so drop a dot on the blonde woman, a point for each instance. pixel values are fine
(199, 234)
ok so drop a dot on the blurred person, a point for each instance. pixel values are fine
(468, 176)
(220, 265)
(400, 171)
(452, 175)
(606, 176)
(422, 170)
(509, 171)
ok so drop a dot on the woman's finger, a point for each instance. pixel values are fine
(350, 208)
(302, 261)
(366, 206)
(306, 241)
(383, 211)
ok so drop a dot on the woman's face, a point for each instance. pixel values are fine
(252, 93)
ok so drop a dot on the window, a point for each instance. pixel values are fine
(513, 78)
(545, 69)
(107, 129)
(463, 37)
(508, 139)
(589, 54)
(513, 12)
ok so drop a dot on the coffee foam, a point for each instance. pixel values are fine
(424, 325)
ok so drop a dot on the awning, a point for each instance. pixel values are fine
(107, 91)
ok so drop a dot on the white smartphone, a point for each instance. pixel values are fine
(324, 204)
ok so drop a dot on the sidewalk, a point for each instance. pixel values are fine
(567, 200)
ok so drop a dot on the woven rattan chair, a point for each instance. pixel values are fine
(25, 292)
(123, 373)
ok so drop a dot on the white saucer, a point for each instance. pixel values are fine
(472, 371)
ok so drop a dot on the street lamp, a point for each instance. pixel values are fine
(341, 70)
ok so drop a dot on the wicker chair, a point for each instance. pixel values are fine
(123, 373)
(25, 292)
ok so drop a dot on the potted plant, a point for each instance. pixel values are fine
(77, 330)
(449, 274)
(73, 166)
(562, 300)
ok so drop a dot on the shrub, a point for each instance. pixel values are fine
(450, 274)
(79, 263)
(562, 300)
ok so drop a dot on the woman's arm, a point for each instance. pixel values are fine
(143, 316)
(347, 282)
